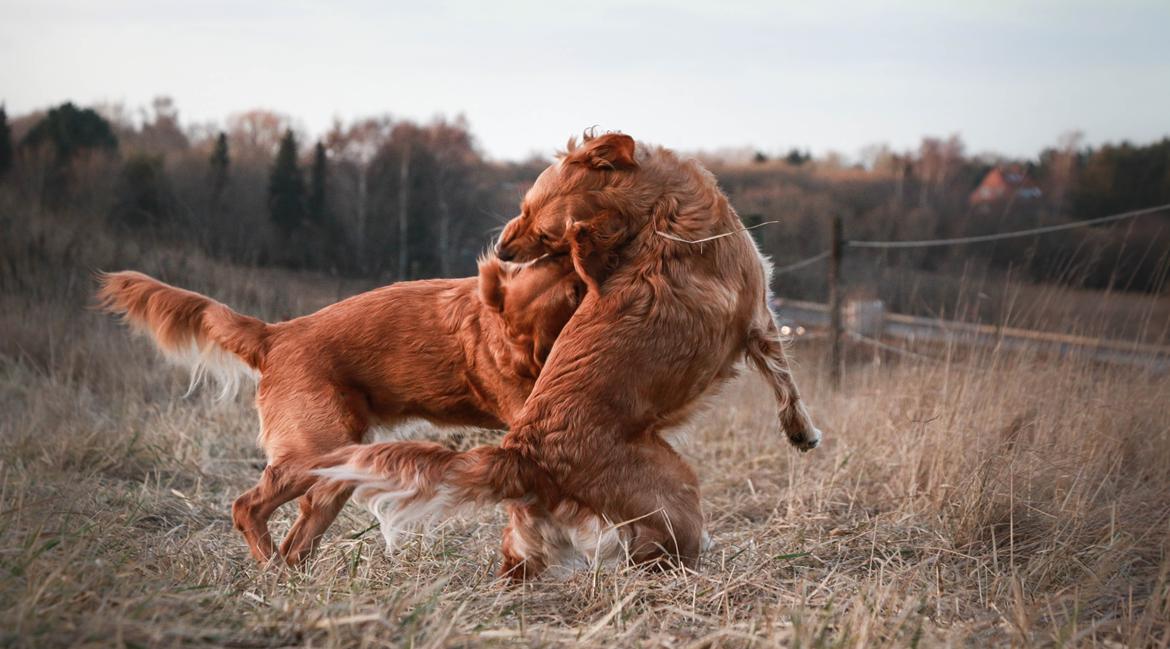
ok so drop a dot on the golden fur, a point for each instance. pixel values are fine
(457, 352)
(584, 468)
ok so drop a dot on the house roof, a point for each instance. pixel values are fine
(1003, 183)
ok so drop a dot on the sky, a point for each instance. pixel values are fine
(1009, 77)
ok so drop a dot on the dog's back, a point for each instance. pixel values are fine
(460, 352)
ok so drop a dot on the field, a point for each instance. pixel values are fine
(994, 499)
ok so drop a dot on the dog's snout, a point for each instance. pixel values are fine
(504, 248)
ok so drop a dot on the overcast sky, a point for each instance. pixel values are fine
(691, 75)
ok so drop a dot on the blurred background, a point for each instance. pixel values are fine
(377, 142)
(996, 468)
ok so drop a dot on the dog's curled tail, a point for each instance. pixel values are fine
(190, 329)
(407, 484)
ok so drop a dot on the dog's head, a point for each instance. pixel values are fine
(580, 205)
(535, 300)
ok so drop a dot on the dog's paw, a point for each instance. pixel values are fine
(807, 442)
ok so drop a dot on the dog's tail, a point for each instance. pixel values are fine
(407, 484)
(189, 328)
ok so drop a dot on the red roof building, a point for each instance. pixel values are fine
(1004, 184)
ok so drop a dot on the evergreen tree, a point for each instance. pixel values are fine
(69, 130)
(317, 178)
(286, 188)
(143, 195)
(796, 158)
(219, 163)
(217, 229)
(5, 144)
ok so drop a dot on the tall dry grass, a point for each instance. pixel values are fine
(998, 500)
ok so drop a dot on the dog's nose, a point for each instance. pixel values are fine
(504, 254)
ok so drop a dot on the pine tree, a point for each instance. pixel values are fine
(142, 195)
(5, 143)
(317, 178)
(68, 131)
(216, 224)
(219, 163)
(286, 188)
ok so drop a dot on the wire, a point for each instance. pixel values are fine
(923, 243)
(675, 237)
(800, 264)
(891, 348)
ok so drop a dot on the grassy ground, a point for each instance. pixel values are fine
(999, 499)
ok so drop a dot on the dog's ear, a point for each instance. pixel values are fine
(591, 245)
(541, 348)
(609, 151)
(575, 291)
(491, 283)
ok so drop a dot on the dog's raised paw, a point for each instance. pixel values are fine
(809, 441)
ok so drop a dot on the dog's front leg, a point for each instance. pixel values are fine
(765, 348)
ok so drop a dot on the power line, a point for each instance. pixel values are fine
(923, 243)
(891, 348)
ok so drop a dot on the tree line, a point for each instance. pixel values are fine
(377, 197)
(929, 193)
(396, 199)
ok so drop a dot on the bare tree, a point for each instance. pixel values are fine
(256, 133)
(352, 148)
(455, 161)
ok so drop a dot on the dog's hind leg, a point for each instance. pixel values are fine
(765, 349)
(301, 423)
(336, 421)
(319, 508)
(251, 511)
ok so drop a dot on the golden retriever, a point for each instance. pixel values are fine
(586, 470)
(454, 352)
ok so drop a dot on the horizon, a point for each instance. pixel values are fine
(1009, 81)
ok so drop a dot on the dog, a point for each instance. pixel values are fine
(462, 352)
(585, 469)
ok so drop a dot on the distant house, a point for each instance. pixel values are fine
(1002, 184)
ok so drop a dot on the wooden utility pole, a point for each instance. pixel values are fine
(835, 323)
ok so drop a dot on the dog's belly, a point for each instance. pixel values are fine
(694, 415)
(408, 428)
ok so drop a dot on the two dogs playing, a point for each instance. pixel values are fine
(646, 329)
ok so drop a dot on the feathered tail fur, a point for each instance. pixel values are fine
(407, 484)
(191, 329)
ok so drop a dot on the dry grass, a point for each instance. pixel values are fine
(1004, 500)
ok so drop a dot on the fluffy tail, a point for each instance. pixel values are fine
(189, 328)
(407, 484)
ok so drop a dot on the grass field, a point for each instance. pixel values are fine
(996, 500)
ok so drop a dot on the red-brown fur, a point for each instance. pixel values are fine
(461, 351)
(663, 323)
